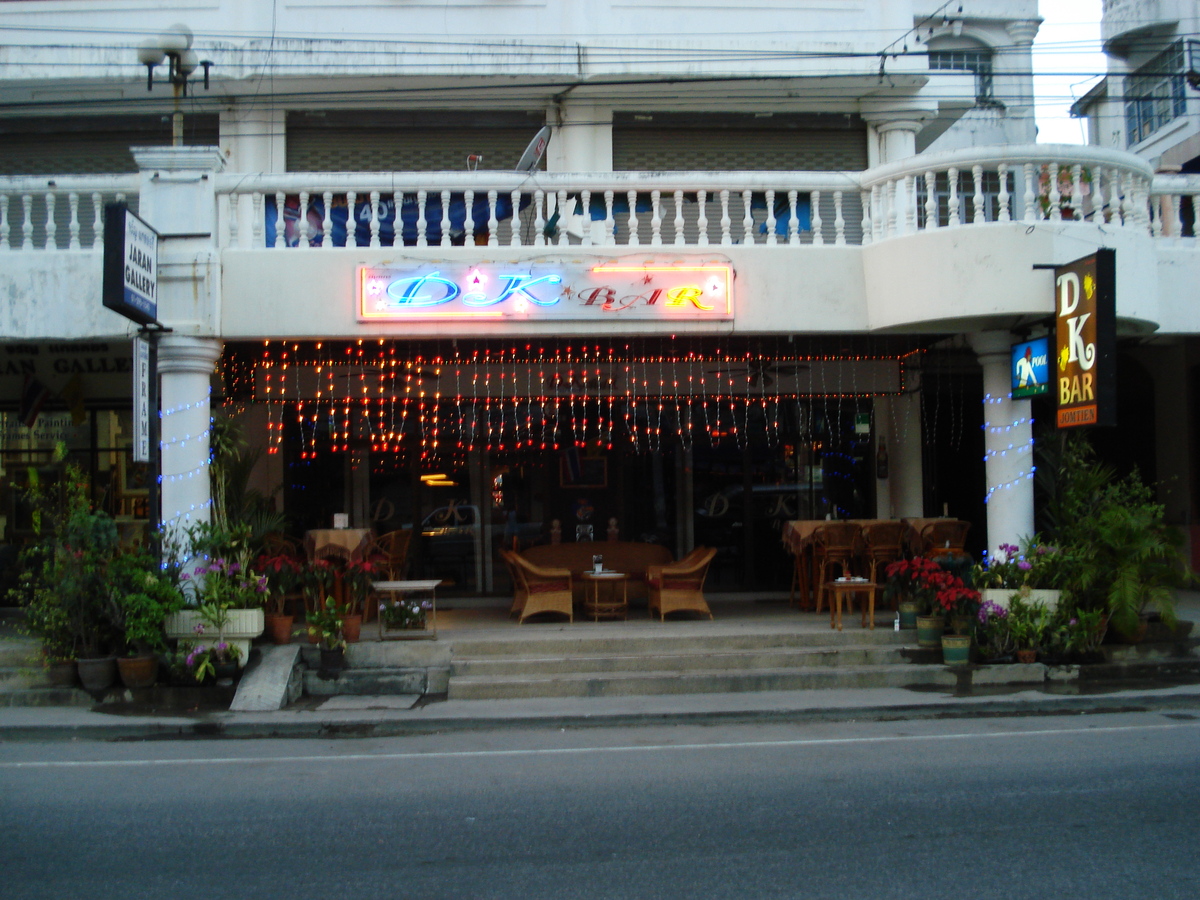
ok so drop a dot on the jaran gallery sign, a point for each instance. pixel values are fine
(656, 288)
(1086, 340)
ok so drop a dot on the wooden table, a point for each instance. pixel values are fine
(427, 586)
(799, 537)
(355, 540)
(839, 588)
(612, 608)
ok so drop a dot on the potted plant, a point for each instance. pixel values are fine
(359, 578)
(1125, 559)
(937, 592)
(218, 661)
(404, 614)
(993, 633)
(318, 580)
(1035, 571)
(284, 575)
(1027, 624)
(143, 596)
(325, 625)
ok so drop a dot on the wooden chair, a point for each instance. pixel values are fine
(520, 594)
(945, 538)
(390, 552)
(338, 557)
(680, 586)
(835, 544)
(883, 543)
(545, 590)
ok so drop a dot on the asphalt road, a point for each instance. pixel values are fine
(1080, 807)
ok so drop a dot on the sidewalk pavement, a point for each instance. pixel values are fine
(381, 716)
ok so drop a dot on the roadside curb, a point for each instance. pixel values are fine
(427, 720)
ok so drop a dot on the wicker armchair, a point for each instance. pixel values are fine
(540, 590)
(680, 586)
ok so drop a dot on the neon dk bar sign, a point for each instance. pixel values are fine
(552, 288)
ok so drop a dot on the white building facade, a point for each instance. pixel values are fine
(769, 265)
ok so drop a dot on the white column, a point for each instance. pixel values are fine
(902, 493)
(897, 137)
(1012, 69)
(185, 368)
(1008, 444)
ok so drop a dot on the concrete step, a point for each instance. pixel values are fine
(46, 695)
(679, 661)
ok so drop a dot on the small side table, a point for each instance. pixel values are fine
(429, 632)
(840, 589)
(611, 608)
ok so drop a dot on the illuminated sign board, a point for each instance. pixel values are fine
(550, 288)
(1086, 340)
(1031, 368)
(130, 283)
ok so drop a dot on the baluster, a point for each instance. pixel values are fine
(978, 217)
(1055, 194)
(563, 237)
(256, 218)
(422, 238)
(397, 219)
(839, 221)
(702, 218)
(515, 220)
(1030, 194)
(770, 223)
(51, 225)
(866, 198)
(493, 222)
(610, 220)
(4, 223)
(1004, 214)
(634, 237)
(280, 199)
(445, 225)
(910, 204)
(952, 204)
(327, 221)
(585, 198)
(302, 221)
(892, 213)
(793, 218)
(679, 238)
(726, 238)
(747, 218)
(1110, 203)
(227, 212)
(539, 218)
(655, 218)
(97, 221)
(468, 218)
(351, 219)
(931, 201)
(1077, 191)
(1126, 199)
(374, 220)
(815, 221)
(27, 223)
(73, 206)
(1176, 217)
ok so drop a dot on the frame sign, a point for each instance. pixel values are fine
(1086, 340)
(1031, 368)
(141, 400)
(130, 285)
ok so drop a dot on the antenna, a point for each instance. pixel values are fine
(535, 151)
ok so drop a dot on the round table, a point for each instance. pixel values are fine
(612, 607)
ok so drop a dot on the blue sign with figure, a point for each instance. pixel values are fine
(1031, 368)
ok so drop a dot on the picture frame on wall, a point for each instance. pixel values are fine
(583, 472)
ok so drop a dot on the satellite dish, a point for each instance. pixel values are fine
(535, 151)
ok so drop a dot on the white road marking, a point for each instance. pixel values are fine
(566, 751)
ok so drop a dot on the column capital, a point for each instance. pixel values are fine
(198, 160)
(178, 354)
(1023, 31)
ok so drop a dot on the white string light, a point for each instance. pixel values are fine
(1021, 476)
(166, 413)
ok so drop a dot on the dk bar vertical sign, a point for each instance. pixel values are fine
(1086, 340)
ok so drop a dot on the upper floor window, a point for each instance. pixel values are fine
(977, 61)
(1155, 94)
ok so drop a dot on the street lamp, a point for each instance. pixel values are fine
(173, 46)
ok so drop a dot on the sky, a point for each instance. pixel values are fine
(1067, 61)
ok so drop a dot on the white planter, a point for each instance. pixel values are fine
(244, 625)
(1044, 597)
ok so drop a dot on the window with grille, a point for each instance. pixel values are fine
(977, 61)
(1155, 94)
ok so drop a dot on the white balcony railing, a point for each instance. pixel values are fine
(314, 211)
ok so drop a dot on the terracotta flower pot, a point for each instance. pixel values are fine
(352, 629)
(138, 671)
(280, 628)
(1026, 656)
